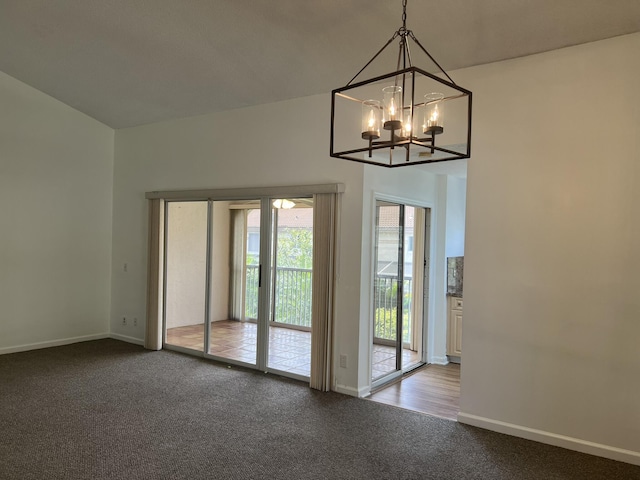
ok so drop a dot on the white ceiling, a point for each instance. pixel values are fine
(132, 62)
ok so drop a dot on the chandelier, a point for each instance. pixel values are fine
(398, 119)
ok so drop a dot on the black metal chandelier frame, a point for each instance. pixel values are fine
(405, 74)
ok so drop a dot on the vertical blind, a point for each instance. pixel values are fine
(153, 332)
(322, 304)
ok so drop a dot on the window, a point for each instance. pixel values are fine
(253, 243)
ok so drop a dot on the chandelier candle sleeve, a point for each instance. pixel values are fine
(433, 117)
(371, 114)
(392, 98)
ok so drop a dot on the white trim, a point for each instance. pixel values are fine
(364, 392)
(125, 338)
(244, 193)
(410, 202)
(52, 343)
(549, 438)
(439, 360)
(351, 391)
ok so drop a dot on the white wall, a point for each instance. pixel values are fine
(186, 263)
(288, 146)
(456, 212)
(56, 172)
(221, 241)
(552, 254)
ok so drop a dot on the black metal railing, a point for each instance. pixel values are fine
(251, 292)
(293, 301)
(292, 305)
(386, 303)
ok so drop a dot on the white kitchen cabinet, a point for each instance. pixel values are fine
(454, 327)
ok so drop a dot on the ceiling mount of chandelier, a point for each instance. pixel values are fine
(397, 119)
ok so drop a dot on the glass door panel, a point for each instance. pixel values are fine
(185, 274)
(233, 298)
(411, 313)
(387, 295)
(238, 281)
(289, 348)
(399, 290)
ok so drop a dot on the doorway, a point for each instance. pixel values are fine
(237, 281)
(400, 291)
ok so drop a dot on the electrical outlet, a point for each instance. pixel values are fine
(124, 321)
(135, 322)
(343, 361)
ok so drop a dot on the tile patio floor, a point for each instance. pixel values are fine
(289, 349)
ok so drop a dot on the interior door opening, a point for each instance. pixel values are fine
(400, 290)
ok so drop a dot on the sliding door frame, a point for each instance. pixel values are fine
(165, 247)
(157, 259)
(424, 297)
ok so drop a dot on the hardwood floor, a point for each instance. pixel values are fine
(432, 389)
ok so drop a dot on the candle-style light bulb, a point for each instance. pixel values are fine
(433, 114)
(406, 127)
(392, 99)
(371, 119)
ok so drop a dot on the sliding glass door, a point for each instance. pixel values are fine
(186, 274)
(291, 287)
(399, 290)
(237, 294)
(234, 285)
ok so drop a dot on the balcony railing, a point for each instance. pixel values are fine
(293, 301)
(292, 304)
(386, 301)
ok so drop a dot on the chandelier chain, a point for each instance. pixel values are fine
(404, 14)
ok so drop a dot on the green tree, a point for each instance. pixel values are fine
(295, 247)
(292, 287)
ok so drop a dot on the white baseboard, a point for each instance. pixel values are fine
(351, 391)
(52, 343)
(439, 360)
(570, 443)
(125, 338)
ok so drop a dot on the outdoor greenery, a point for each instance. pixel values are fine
(386, 298)
(293, 278)
(385, 324)
(295, 247)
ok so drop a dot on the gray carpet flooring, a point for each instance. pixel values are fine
(111, 410)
